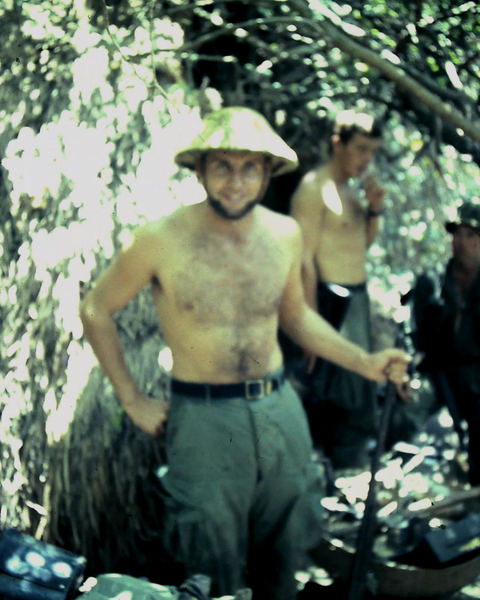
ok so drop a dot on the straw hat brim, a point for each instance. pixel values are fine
(281, 164)
(239, 129)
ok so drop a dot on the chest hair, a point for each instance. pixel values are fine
(230, 283)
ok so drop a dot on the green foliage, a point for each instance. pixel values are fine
(87, 138)
(299, 79)
(90, 119)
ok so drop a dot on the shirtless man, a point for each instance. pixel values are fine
(337, 231)
(225, 274)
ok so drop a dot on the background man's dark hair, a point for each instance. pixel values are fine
(349, 122)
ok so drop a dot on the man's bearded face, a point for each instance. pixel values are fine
(235, 182)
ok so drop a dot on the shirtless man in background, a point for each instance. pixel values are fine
(337, 230)
(241, 494)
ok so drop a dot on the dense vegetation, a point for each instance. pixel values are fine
(95, 99)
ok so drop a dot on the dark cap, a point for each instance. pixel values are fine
(468, 214)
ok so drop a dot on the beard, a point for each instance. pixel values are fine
(223, 212)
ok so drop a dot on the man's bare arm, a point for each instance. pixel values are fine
(306, 209)
(375, 195)
(130, 272)
(372, 226)
(308, 329)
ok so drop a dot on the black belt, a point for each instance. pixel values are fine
(251, 390)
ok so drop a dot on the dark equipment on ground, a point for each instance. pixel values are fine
(34, 570)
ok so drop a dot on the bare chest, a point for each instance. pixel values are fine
(343, 228)
(346, 214)
(225, 284)
(342, 243)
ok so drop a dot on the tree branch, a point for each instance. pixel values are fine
(200, 3)
(399, 77)
(232, 27)
(446, 93)
(447, 133)
(154, 83)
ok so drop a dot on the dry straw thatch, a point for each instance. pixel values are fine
(103, 499)
(74, 470)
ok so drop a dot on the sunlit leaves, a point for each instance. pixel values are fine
(432, 63)
(453, 74)
(362, 67)
(73, 159)
(88, 148)
(416, 145)
(40, 25)
(353, 30)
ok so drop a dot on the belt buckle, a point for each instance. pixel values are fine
(265, 388)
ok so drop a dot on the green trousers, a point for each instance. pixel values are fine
(242, 496)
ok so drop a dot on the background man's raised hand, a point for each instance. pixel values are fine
(374, 193)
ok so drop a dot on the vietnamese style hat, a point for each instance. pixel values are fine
(243, 129)
(468, 214)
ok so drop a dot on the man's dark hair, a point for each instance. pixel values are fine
(350, 122)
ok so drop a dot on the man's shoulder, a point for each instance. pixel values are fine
(148, 236)
(309, 190)
(316, 176)
(309, 181)
(278, 224)
(307, 201)
(179, 217)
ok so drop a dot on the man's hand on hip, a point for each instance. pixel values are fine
(148, 413)
(310, 360)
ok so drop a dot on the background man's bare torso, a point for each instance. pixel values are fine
(342, 240)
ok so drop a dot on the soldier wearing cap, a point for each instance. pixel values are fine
(241, 493)
(447, 313)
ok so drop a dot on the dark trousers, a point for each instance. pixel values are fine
(464, 383)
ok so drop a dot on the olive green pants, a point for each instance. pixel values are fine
(242, 496)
